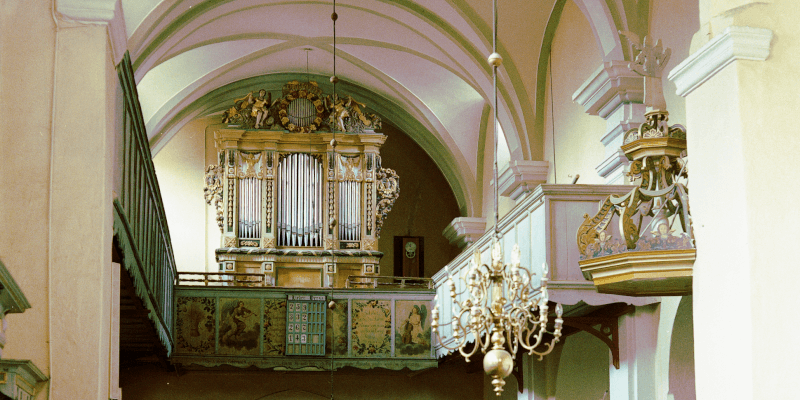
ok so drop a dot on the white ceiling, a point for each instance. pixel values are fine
(422, 63)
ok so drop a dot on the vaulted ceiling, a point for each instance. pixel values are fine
(421, 65)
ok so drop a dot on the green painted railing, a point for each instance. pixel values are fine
(140, 224)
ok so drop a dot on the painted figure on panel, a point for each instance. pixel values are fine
(413, 332)
(239, 326)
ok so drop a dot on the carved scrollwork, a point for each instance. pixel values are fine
(213, 191)
(388, 188)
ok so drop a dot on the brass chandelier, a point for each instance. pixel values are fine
(500, 308)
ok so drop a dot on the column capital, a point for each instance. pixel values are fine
(463, 231)
(100, 12)
(612, 84)
(520, 177)
(734, 43)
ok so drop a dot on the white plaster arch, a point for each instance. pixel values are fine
(605, 30)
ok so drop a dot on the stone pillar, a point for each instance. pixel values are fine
(741, 89)
(635, 379)
(26, 89)
(614, 93)
(81, 194)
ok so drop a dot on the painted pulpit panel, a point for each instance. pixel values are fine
(239, 326)
(194, 325)
(336, 329)
(413, 329)
(372, 328)
(274, 327)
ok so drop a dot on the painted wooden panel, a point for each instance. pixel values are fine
(230, 326)
(371, 328)
(239, 326)
(195, 325)
(274, 336)
(336, 329)
(413, 332)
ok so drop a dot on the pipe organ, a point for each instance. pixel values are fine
(291, 202)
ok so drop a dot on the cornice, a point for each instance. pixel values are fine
(734, 43)
(463, 231)
(612, 163)
(100, 12)
(520, 177)
(612, 84)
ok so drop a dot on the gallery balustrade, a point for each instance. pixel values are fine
(309, 329)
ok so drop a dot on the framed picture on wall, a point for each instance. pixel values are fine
(409, 256)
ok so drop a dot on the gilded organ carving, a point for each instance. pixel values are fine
(284, 185)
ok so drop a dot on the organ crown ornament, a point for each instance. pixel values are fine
(302, 108)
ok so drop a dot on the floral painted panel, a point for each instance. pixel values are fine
(413, 333)
(372, 328)
(239, 326)
(336, 329)
(194, 325)
(274, 327)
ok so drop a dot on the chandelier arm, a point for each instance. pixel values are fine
(470, 354)
(457, 327)
(541, 354)
(512, 337)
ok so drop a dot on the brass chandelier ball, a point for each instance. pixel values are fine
(495, 59)
(498, 362)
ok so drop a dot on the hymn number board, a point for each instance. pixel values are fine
(305, 325)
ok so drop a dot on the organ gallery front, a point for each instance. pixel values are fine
(299, 189)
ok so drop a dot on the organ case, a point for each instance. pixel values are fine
(292, 205)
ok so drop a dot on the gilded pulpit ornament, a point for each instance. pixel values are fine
(654, 217)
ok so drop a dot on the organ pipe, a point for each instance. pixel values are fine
(299, 201)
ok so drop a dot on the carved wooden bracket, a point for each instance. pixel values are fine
(608, 330)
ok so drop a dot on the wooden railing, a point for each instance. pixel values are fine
(387, 282)
(140, 224)
(245, 279)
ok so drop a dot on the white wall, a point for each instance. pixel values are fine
(180, 167)
(575, 57)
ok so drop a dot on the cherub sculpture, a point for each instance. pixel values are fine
(261, 105)
(338, 111)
